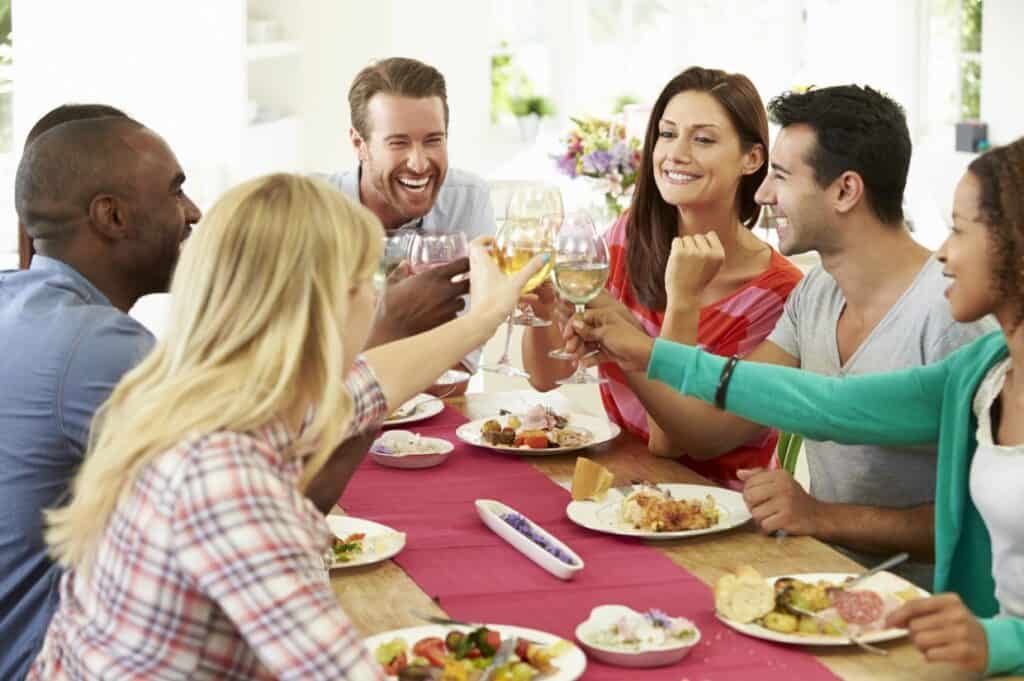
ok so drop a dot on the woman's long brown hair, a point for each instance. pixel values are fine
(653, 223)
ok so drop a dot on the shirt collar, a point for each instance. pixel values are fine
(350, 185)
(83, 286)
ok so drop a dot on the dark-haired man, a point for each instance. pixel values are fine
(103, 203)
(53, 118)
(399, 112)
(837, 174)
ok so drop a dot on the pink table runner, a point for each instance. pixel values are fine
(477, 576)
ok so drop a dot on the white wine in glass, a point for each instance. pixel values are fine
(517, 242)
(580, 273)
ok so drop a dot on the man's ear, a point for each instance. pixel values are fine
(753, 159)
(358, 144)
(108, 217)
(847, 191)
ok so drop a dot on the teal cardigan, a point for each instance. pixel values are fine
(922, 405)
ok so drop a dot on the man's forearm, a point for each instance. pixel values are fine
(879, 530)
(329, 484)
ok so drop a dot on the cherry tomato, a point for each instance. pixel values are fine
(432, 649)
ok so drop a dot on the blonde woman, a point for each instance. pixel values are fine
(190, 550)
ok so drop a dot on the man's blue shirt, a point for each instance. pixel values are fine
(63, 348)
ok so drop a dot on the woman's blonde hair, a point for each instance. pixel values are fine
(260, 297)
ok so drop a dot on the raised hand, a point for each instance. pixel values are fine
(944, 630)
(618, 339)
(420, 302)
(692, 264)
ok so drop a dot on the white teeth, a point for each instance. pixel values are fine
(680, 177)
(414, 185)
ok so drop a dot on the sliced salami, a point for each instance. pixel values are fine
(861, 607)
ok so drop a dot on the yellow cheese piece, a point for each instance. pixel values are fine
(590, 480)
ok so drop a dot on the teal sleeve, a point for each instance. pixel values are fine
(1005, 645)
(896, 408)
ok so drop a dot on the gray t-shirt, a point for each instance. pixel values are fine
(463, 204)
(917, 330)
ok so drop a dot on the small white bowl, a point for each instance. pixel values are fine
(603, 617)
(491, 513)
(409, 459)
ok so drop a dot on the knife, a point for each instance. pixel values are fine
(505, 651)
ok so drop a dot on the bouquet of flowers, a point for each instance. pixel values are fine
(598, 149)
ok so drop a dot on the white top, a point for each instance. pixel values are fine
(997, 486)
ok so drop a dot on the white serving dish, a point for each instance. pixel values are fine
(409, 459)
(603, 617)
(604, 516)
(491, 511)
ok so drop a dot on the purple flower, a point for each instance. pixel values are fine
(621, 155)
(567, 165)
(658, 618)
(597, 162)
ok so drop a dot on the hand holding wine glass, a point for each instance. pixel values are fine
(580, 274)
(430, 250)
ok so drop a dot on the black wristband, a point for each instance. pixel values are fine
(723, 381)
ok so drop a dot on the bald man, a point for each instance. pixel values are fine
(102, 201)
(51, 119)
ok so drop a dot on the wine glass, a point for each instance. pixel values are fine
(534, 201)
(429, 250)
(516, 244)
(504, 363)
(396, 249)
(580, 273)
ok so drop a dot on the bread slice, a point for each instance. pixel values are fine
(744, 596)
(590, 480)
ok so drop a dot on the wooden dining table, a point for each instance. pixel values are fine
(393, 594)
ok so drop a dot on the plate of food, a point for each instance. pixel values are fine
(665, 511)
(772, 608)
(621, 636)
(404, 449)
(420, 407)
(464, 652)
(360, 542)
(539, 431)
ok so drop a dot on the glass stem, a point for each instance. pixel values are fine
(505, 359)
(580, 310)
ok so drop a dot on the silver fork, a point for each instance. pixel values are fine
(437, 619)
(419, 405)
(853, 639)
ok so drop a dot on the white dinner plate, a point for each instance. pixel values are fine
(570, 664)
(419, 408)
(601, 429)
(883, 583)
(604, 516)
(381, 541)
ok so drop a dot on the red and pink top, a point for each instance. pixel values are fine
(734, 325)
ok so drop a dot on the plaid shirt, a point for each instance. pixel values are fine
(212, 568)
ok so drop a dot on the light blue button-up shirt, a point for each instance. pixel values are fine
(463, 204)
(63, 348)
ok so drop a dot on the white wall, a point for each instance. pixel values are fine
(155, 60)
(1002, 92)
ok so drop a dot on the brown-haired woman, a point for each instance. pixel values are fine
(704, 156)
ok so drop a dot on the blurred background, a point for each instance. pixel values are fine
(242, 87)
